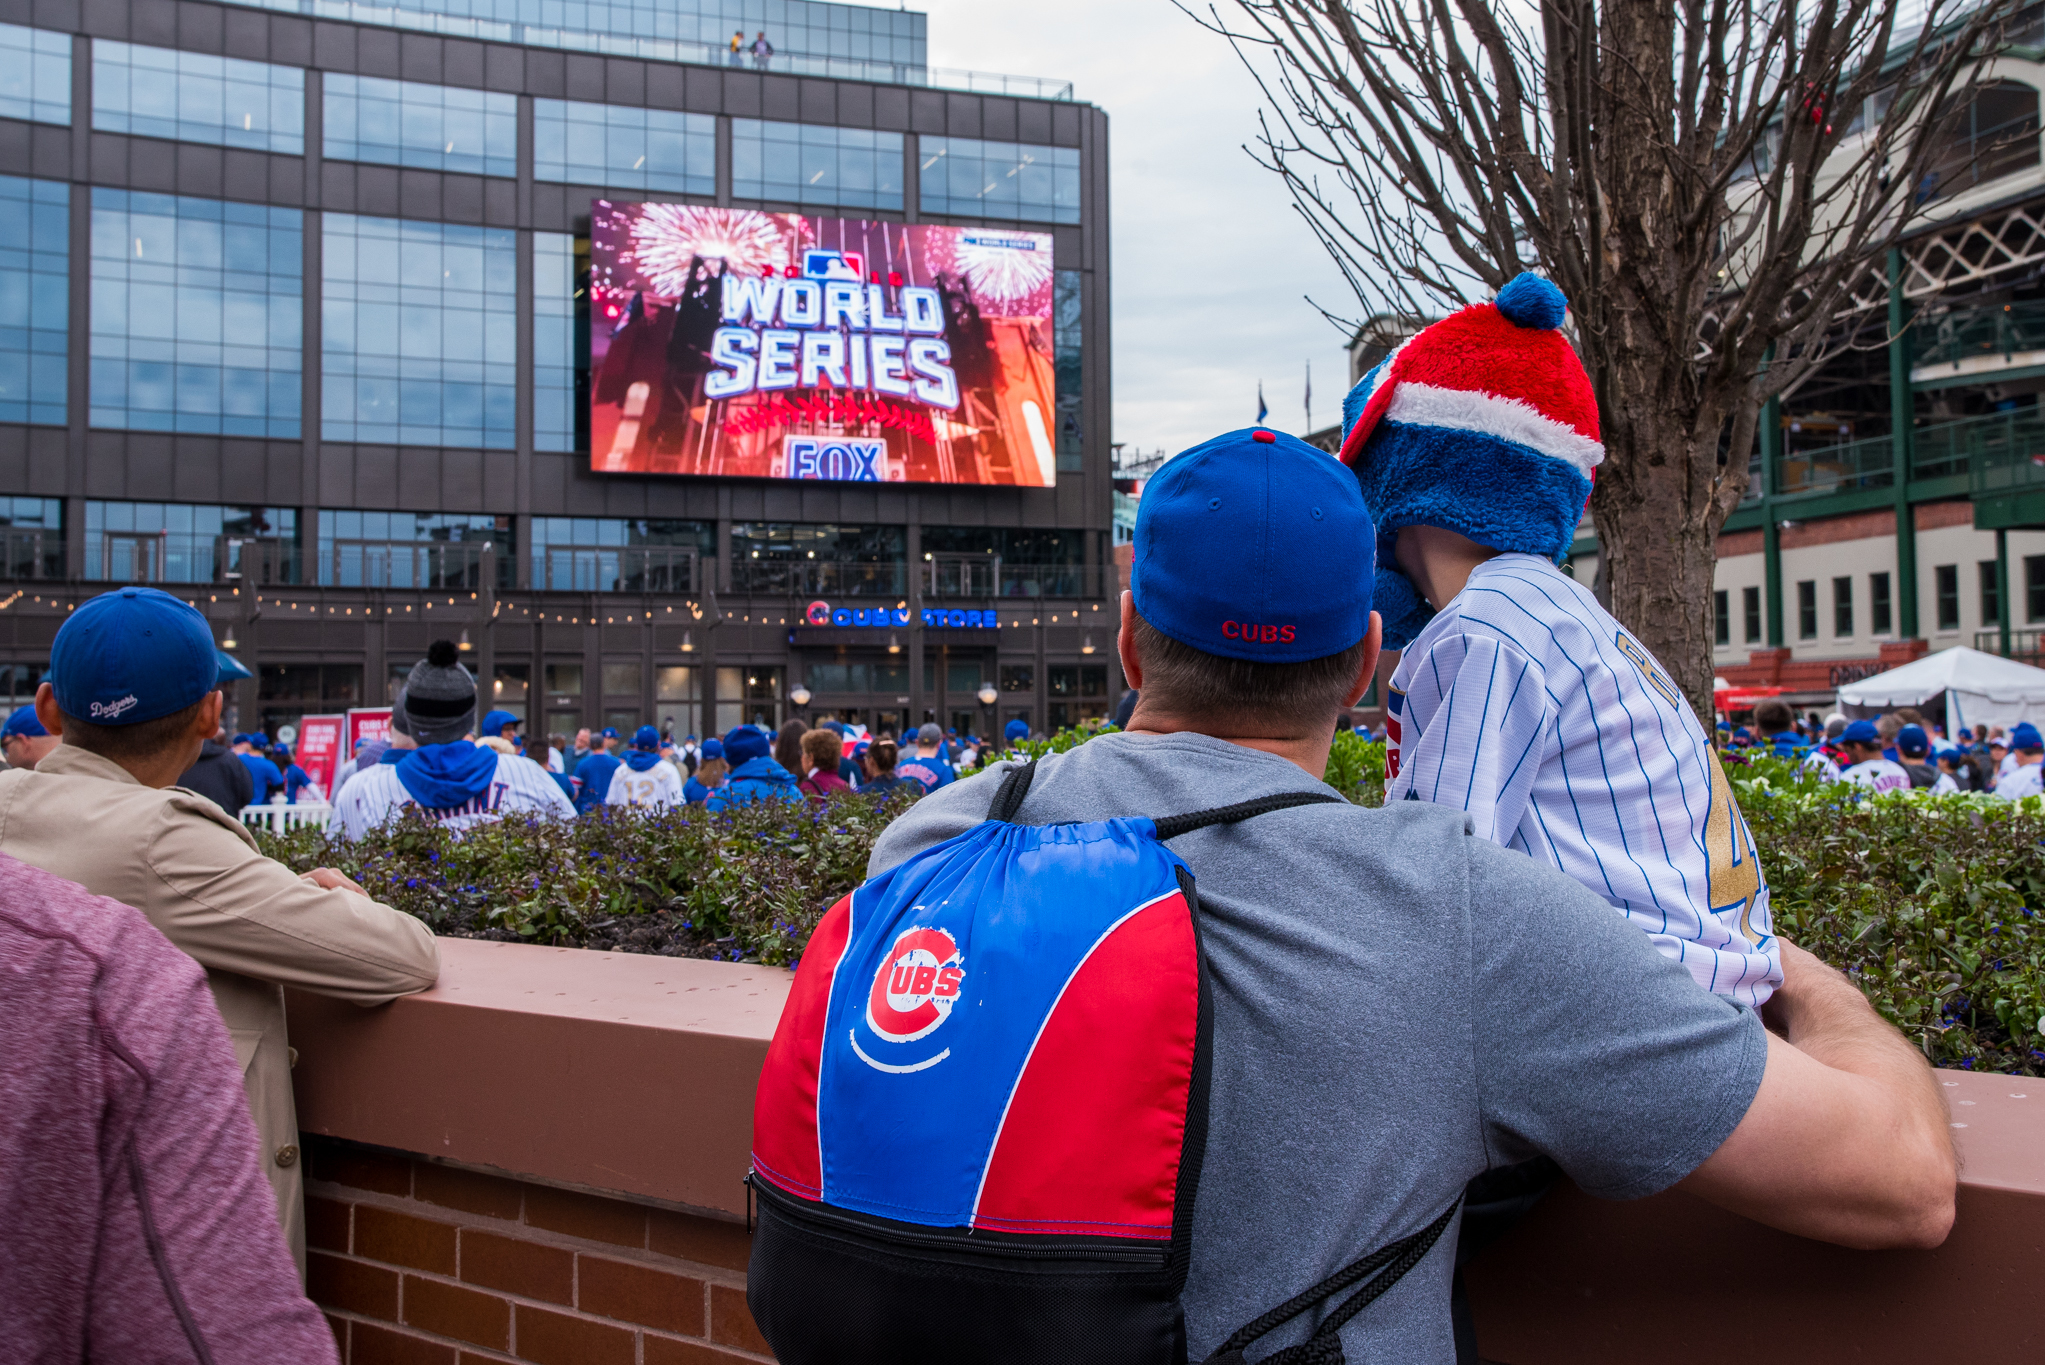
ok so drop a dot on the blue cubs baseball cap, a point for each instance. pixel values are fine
(607, 733)
(1861, 732)
(646, 737)
(1255, 545)
(1911, 739)
(1016, 729)
(494, 723)
(2024, 735)
(713, 748)
(132, 655)
(22, 723)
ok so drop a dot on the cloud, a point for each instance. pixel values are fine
(1209, 262)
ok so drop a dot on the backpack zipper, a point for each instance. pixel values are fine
(970, 1240)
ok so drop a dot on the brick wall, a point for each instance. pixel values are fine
(419, 1263)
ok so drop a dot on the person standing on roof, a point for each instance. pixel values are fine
(453, 781)
(645, 780)
(763, 51)
(755, 776)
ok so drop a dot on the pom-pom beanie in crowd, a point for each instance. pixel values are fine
(1484, 424)
(439, 703)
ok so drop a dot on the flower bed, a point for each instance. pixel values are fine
(1928, 902)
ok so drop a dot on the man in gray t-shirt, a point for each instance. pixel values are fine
(1399, 1006)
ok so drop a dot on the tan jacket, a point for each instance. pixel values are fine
(251, 922)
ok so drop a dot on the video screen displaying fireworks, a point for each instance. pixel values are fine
(779, 346)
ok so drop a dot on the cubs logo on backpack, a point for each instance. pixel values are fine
(978, 1133)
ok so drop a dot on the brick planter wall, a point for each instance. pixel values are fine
(420, 1263)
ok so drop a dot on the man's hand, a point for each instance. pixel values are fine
(329, 879)
(1848, 1138)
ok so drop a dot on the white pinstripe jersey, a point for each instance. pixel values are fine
(375, 794)
(1527, 705)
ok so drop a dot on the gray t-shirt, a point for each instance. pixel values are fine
(1397, 1007)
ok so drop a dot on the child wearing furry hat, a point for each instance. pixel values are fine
(1517, 696)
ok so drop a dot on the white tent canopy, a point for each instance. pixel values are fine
(1979, 689)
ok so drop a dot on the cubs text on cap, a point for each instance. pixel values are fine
(132, 655)
(1255, 545)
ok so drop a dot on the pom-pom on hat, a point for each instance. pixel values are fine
(1484, 424)
(438, 703)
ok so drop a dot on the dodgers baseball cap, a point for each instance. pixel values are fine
(1911, 739)
(2024, 735)
(132, 655)
(22, 723)
(1255, 545)
(1861, 732)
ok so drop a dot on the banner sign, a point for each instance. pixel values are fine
(367, 722)
(824, 614)
(319, 750)
(780, 346)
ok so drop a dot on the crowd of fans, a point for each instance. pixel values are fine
(1899, 751)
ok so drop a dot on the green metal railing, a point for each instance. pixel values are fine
(2005, 451)
(1969, 333)
(2023, 644)
(1866, 463)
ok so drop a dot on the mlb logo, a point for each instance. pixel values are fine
(825, 264)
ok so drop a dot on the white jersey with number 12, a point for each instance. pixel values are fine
(1525, 703)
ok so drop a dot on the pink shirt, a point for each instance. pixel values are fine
(139, 1225)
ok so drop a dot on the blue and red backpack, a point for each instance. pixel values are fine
(979, 1130)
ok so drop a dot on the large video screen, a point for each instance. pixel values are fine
(780, 346)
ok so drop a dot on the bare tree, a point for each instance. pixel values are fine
(1713, 183)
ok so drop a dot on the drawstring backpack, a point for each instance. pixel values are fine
(978, 1134)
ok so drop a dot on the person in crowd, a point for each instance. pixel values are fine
(788, 745)
(755, 775)
(1336, 931)
(595, 771)
(2023, 778)
(1015, 732)
(880, 767)
(1828, 742)
(645, 780)
(1952, 761)
(1778, 731)
(927, 768)
(822, 752)
(268, 779)
(218, 774)
(1517, 696)
(763, 51)
(453, 781)
(503, 725)
(556, 749)
(1915, 748)
(580, 751)
(1862, 741)
(296, 779)
(690, 753)
(709, 775)
(142, 662)
(138, 1226)
(25, 742)
(368, 752)
(1887, 727)
(2002, 750)
(1125, 706)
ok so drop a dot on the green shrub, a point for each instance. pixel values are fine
(1928, 903)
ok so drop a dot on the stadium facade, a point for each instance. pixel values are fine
(296, 321)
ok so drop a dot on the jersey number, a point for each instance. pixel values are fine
(1729, 852)
(1649, 669)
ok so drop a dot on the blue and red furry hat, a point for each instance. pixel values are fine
(1484, 424)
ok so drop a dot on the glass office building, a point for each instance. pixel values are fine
(294, 321)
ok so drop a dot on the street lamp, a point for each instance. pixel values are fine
(800, 696)
(988, 696)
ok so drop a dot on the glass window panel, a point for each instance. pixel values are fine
(674, 684)
(35, 74)
(560, 340)
(196, 97)
(798, 163)
(419, 333)
(412, 549)
(434, 127)
(621, 678)
(196, 315)
(1068, 369)
(564, 682)
(589, 554)
(638, 149)
(156, 542)
(974, 179)
(35, 306)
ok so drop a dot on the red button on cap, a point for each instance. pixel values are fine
(1262, 436)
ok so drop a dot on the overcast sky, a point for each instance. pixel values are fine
(1210, 263)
